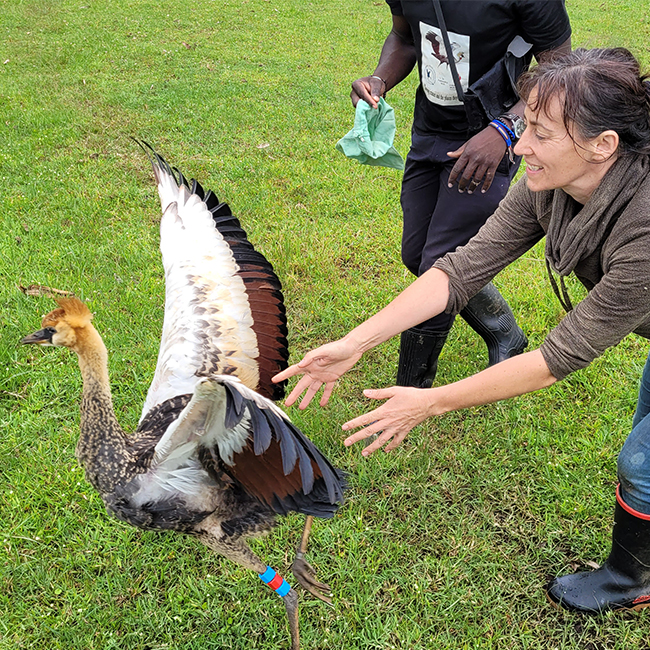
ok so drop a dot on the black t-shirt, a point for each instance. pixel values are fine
(479, 34)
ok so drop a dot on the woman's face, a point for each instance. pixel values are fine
(553, 159)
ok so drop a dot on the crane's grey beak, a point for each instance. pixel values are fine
(42, 337)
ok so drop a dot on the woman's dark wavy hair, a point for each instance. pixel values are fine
(600, 89)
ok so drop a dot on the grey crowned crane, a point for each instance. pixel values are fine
(212, 456)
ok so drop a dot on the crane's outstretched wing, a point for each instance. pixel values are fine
(229, 428)
(224, 310)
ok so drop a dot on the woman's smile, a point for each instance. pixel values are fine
(557, 159)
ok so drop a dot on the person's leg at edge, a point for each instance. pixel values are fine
(420, 347)
(623, 582)
(428, 235)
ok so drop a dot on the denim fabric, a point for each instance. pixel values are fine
(437, 218)
(634, 459)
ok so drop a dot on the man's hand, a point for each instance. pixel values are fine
(370, 89)
(478, 160)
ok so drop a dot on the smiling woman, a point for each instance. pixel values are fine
(556, 158)
(589, 108)
(587, 189)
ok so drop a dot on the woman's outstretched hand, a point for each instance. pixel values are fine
(405, 409)
(324, 365)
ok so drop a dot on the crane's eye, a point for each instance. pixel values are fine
(50, 330)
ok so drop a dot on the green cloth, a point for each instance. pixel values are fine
(371, 139)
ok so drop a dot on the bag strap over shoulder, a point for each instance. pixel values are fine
(448, 50)
(491, 95)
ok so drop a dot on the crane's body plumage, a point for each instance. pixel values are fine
(212, 456)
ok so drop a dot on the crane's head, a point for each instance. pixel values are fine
(63, 326)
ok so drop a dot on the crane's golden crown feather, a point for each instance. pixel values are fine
(74, 312)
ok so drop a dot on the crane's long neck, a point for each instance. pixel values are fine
(102, 445)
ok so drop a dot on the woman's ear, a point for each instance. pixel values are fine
(604, 146)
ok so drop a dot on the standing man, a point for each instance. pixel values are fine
(454, 179)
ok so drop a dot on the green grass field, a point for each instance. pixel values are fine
(445, 543)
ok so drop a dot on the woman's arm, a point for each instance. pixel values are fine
(426, 297)
(510, 232)
(408, 407)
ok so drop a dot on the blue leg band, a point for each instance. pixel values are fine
(283, 589)
(275, 581)
(268, 575)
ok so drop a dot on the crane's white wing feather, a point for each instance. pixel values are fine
(207, 326)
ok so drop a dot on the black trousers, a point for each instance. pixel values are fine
(437, 218)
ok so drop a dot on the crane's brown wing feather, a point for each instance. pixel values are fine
(264, 292)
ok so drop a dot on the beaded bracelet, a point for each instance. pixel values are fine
(507, 134)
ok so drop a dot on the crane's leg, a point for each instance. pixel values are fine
(304, 572)
(237, 551)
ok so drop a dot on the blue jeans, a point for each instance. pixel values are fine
(634, 459)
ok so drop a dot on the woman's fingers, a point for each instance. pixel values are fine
(322, 366)
(362, 434)
(392, 421)
(396, 441)
(364, 420)
(372, 417)
(329, 387)
(295, 369)
(298, 389)
(312, 389)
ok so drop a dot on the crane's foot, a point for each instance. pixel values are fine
(306, 577)
(290, 601)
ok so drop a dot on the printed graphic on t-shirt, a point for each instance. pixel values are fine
(437, 81)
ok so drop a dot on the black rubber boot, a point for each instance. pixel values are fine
(623, 582)
(488, 314)
(418, 357)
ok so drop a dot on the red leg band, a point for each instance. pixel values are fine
(276, 582)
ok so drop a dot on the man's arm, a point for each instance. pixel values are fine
(396, 61)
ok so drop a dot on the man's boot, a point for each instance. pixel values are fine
(489, 315)
(623, 582)
(418, 357)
